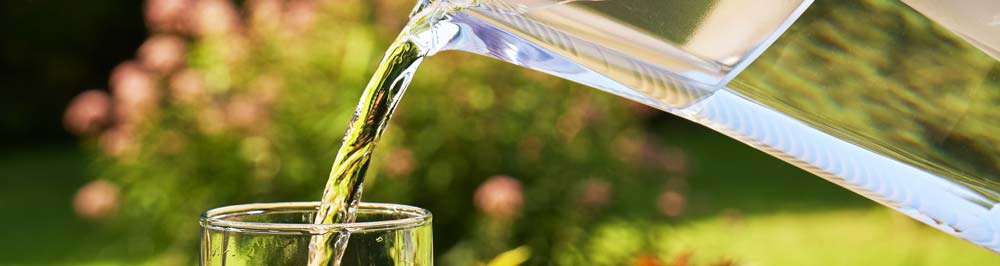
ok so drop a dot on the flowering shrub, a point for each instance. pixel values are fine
(233, 103)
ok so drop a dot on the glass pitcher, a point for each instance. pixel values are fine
(897, 101)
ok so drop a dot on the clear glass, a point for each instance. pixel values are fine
(273, 234)
(898, 101)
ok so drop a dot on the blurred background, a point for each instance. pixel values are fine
(124, 120)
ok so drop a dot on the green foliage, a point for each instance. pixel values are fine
(271, 100)
(257, 111)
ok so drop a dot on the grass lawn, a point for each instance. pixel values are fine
(36, 197)
(790, 217)
(787, 217)
(842, 237)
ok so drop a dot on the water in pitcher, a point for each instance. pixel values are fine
(897, 101)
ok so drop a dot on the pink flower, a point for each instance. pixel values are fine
(400, 162)
(300, 15)
(117, 141)
(628, 145)
(676, 183)
(211, 119)
(266, 88)
(162, 53)
(641, 110)
(167, 15)
(596, 193)
(171, 142)
(214, 17)
(638, 146)
(96, 199)
(133, 90)
(671, 203)
(187, 86)
(88, 112)
(674, 161)
(244, 113)
(388, 12)
(646, 150)
(499, 197)
(264, 14)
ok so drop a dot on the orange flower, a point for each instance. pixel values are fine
(646, 260)
(683, 258)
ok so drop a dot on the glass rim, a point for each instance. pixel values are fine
(217, 219)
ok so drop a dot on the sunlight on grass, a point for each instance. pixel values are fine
(846, 237)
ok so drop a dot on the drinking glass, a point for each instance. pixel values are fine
(268, 234)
